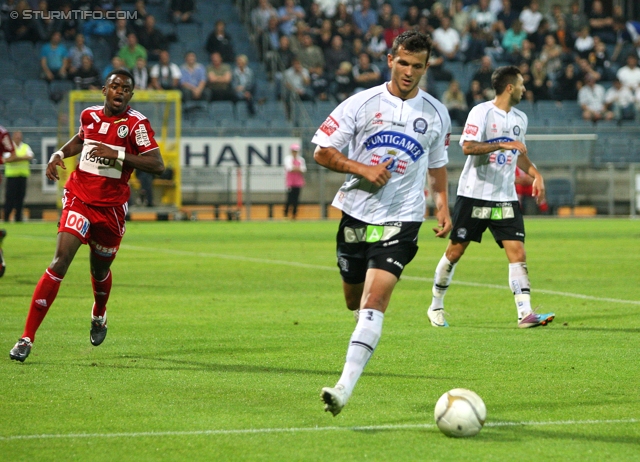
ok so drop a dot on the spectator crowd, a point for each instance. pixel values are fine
(330, 49)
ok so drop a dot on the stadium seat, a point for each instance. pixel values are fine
(222, 110)
(59, 88)
(559, 192)
(11, 88)
(36, 89)
(23, 51)
(43, 108)
(25, 122)
(7, 70)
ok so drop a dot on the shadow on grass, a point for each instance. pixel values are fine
(185, 365)
(506, 434)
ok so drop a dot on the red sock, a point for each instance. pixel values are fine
(43, 298)
(101, 291)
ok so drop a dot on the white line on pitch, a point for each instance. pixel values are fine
(408, 278)
(244, 431)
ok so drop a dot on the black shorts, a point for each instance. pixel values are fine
(389, 247)
(471, 217)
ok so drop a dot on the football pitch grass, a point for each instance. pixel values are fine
(221, 336)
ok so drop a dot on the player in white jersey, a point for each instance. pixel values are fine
(397, 136)
(493, 141)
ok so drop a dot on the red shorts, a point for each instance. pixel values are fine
(100, 227)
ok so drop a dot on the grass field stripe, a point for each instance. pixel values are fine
(302, 429)
(408, 278)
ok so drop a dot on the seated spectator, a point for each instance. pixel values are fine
(310, 55)
(219, 78)
(98, 27)
(269, 40)
(601, 24)
(621, 101)
(566, 88)
(335, 55)
(384, 15)
(132, 51)
(76, 52)
(601, 61)
(437, 70)
(141, 74)
(460, 17)
(412, 19)
(260, 16)
(365, 74)
(475, 95)
(219, 41)
(434, 17)
(551, 57)
(182, 11)
(141, 14)
(165, 75)
(564, 37)
(87, 77)
(344, 82)
(456, 103)
(531, 17)
(193, 80)
(447, 40)
(513, 38)
(279, 61)
(244, 83)
(483, 76)
(116, 63)
(483, 17)
(20, 28)
(591, 99)
(297, 80)
(627, 36)
(577, 19)
(583, 44)
(537, 38)
(152, 39)
(376, 45)
(540, 84)
(629, 75)
(506, 18)
(68, 24)
(119, 38)
(315, 18)
(288, 14)
(364, 17)
(54, 59)
(396, 28)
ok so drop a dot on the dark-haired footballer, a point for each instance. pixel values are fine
(113, 140)
(493, 140)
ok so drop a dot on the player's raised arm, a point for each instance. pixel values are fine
(333, 159)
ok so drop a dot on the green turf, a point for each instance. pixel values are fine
(221, 336)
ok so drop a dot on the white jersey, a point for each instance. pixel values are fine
(491, 177)
(378, 126)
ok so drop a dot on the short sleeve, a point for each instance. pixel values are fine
(142, 137)
(474, 127)
(338, 128)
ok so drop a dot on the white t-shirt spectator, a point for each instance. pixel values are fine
(630, 78)
(530, 20)
(447, 40)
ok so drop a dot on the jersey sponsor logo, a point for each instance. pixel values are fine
(77, 222)
(95, 116)
(395, 140)
(471, 129)
(123, 131)
(329, 126)
(494, 128)
(420, 125)
(399, 166)
(142, 136)
(110, 168)
(447, 140)
(503, 212)
(104, 128)
(501, 139)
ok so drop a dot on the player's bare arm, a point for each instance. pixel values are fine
(438, 184)
(150, 161)
(333, 159)
(478, 148)
(538, 189)
(71, 148)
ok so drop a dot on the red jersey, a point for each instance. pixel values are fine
(6, 142)
(105, 182)
(521, 189)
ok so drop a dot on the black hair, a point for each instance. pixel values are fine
(413, 41)
(121, 71)
(504, 76)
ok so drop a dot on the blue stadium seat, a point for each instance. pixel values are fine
(559, 192)
(36, 89)
(59, 88)
(25, 122)
(18, 105)
(43, 108)
(11, 88)
(189, 33)
(7, 70)
(23, 51)
(222, 110)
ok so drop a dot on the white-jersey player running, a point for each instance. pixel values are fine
(493, 141)
(397, 136)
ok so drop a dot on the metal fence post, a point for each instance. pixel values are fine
(247, 192)
(611, 188)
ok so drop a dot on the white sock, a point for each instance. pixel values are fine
(361, 346)
(441, 281)
(521, 288)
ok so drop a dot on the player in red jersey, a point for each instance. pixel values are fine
(113, 140)
(7, 149)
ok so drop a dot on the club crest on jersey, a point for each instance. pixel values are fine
(397, 141)
(123, 131)
(420, 125)
(396, 165)
(516, 130)
(500, 158)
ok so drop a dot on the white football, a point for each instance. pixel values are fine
(460, 412)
